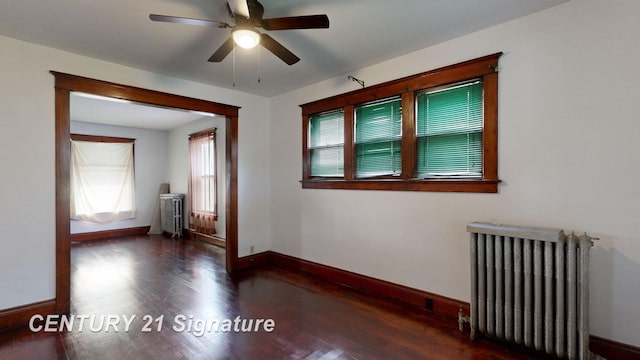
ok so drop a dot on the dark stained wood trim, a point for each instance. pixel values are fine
(306, 166)
(209, 239)
(109, 234)
(490, 131)
(19, 316)
(610, 349)
(203, 133)
(63, 227)
(408, 135)
(418, 298)
(254, 260)
(100, 138)
(349, 144)
(231, 143)
(449, 74)
(145, 96)
(478, 186)
(64, 85)
(484, 68)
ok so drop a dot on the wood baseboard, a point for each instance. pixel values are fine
(424, 300)
(255, 260)
(109, 234)
(610, 349)
(20, 315)
(209, 239)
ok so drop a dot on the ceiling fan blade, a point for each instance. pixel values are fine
(188, 21)
(297, 22)
(239, 7)
(222, 51)
(278, 50)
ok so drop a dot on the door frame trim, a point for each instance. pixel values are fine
(64, 85)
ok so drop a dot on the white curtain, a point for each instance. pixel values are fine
(102, 181)
(202, 182)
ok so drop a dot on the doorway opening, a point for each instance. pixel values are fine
(65, 84)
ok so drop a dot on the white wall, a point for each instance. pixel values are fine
(566, 157)
(568, 127)
(27, 186)
(151, 170)
(179, 163)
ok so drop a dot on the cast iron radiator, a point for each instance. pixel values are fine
(171, 209)
(530, 286)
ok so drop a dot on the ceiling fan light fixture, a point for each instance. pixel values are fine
(247, 16)
(246, 38)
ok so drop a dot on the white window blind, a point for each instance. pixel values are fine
(326, 144)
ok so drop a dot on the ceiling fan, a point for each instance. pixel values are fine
(247, 17)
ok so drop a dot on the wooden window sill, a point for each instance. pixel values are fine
(439, 185)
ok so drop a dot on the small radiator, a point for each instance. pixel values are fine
(530, 286)
(171, 209)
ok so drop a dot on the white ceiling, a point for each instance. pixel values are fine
(361, 33)
(128, 114)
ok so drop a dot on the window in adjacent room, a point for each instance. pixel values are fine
(102, 181)
(435, 131)
(202, 182)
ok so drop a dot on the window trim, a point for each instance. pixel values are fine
(485, 68)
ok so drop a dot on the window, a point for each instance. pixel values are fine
(102, 179)
(449, 132)
(202, 182)
(378, 135)
(435, 131)
(326, 142)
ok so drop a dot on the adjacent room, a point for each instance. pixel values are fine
(323, 179)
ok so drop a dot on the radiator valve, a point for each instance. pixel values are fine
(462, 319)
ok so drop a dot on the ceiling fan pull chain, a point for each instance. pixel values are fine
(234, 65)
(259, 64)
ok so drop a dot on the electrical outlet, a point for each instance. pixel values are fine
(428, 303)
(251, 249)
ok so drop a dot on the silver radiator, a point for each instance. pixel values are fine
(530, 286)
(171, 218)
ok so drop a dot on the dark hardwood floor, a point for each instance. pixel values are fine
(156, 276)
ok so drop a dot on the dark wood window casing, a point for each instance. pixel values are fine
(100, 138)
(484, 69)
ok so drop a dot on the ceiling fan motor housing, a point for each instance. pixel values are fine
(256, 11)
